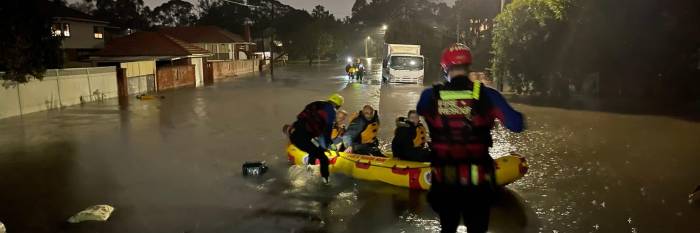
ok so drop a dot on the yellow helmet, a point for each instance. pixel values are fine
(336, 99)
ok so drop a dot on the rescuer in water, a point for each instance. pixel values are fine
(410, 139)
(312, 130)
(361, 136)
(460, 114)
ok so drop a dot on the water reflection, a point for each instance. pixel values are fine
(356, 206)
(510, 213)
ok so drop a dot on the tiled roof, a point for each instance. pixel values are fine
(203, 34)
(149, 44)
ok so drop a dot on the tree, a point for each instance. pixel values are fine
(320, 13)
(358, 6)
(127, 14)
(319, 33)
(86, 7)
(524, 41)
(174, 13)
(28, 47)
(549, 45)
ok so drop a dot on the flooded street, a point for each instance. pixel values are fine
(174, 166)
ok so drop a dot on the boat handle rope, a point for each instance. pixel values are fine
(377, 165)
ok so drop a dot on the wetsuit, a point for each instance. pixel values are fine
(409, 141)
(314, 122)
(460, 115)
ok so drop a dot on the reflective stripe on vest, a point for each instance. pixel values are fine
(459, 130)
(463, 175)
(462, 95)
(475, 175)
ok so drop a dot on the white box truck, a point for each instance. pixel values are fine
(403, 63)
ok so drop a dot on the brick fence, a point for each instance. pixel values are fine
(170, 77)
(227, 69)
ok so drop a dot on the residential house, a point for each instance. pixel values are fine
(154, 61)
(81, 34)
(223, 44)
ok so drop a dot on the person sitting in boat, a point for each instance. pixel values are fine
(339, 129)
(361, 136)
(410, 139)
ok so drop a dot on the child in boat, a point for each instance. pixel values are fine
(339, 129)
(410, 139)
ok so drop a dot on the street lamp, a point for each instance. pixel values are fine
(366, 46)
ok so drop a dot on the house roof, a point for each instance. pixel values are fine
(57, 10)
(149, 44)
(203, 34)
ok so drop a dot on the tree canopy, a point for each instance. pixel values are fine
(28, 47)
(550, 46)
(126, 14)
(174, 13)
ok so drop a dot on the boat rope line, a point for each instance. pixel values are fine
(376, 165)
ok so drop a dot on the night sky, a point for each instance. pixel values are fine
(339, 8)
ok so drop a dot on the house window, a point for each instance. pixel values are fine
(98, 32)
(66, 30)
(60, 29)
(56, 29)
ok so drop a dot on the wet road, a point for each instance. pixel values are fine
(173, 165)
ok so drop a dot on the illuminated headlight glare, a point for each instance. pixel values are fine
(349, 59)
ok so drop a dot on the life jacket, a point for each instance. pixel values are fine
(369, 132)
(416, 133)
(314, 118)
(460, 130)
(419, 140)
(338, 131)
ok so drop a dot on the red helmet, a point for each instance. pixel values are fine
(456, 54)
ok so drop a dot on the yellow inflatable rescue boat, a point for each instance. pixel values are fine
(414, 175)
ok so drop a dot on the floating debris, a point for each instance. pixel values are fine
(93, 213)
(149, 97)
(254, 168)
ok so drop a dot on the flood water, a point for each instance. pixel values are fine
(174, 166)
